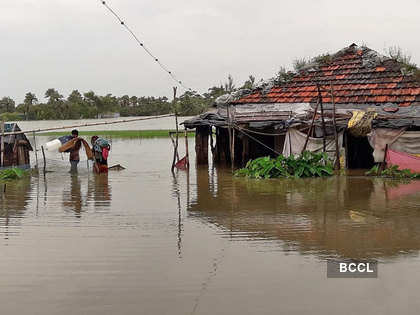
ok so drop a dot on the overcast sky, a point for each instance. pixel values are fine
(77, 44)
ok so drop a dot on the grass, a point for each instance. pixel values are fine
(118, 133)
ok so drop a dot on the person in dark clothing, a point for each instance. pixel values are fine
(74, 152)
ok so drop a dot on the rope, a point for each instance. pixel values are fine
(261, 133)
(88, 125)
(256, 140)
(142, 45)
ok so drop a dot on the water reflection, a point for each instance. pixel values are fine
(351, 217)
(176, 191)
(72, 197)
(15, 197)
(99, 190)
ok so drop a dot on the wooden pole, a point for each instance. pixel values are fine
(36, 150)
(212, 142)
(230, 135)
(232, 150)
(2, 144)
(174, 144)
(383, 164)
(310, 129)
(187, 154)
(324, 131)
(337, 150)
(177, 136)
(45, 161)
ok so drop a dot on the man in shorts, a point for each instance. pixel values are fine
(74, 152)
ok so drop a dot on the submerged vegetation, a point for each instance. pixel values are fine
(12, 174)
(392, 172)
(308, 164)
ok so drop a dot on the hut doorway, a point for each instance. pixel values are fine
(359, 153)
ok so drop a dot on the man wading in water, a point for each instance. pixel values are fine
(74, 152)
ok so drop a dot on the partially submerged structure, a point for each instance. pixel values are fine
(343, 104)
(16, 148)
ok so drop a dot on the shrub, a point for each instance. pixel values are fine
(308, 164)
(392, 172)
(12, 174)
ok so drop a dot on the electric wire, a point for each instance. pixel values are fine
(142, 45)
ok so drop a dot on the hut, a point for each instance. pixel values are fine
(349, 104)
(16, 148)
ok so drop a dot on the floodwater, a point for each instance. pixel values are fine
(141, 241)
(152, 124)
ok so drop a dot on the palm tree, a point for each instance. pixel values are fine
(29, 101)
(229, 86)
(53, 96)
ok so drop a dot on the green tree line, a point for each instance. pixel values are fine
(79, 105)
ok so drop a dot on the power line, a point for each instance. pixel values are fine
(142, 45)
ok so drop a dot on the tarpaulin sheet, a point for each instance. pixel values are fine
(403, 160)
(396, 139)
(295, 141)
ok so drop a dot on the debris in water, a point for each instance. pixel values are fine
(117, 167)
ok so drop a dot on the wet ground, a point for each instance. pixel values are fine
(141, 241)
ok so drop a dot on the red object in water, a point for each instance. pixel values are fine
(403, 160)
(182, 163)
(100, 168)
(105, 153)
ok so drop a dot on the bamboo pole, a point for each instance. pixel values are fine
(337, 150)
(36, 150)
(187, 154)
(324, 131)
(212, 142)
(310, 129)
(233, 149)
(2, 144)
(177, 131)
(230, 135)
(173, 143)
(45, 161)
(383, 164)
(88, 125)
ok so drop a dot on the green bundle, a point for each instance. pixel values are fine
(12, 173)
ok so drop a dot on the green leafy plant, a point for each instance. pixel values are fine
(309, 164)
(12, 174)
(392, 172)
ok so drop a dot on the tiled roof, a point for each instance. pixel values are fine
(359, 75)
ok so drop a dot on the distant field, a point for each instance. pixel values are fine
(118, 133)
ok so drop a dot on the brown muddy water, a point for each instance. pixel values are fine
(141, 241)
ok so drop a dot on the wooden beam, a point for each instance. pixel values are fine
(177, 131)
(202, 145)
(2, 144)
(337, 149)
